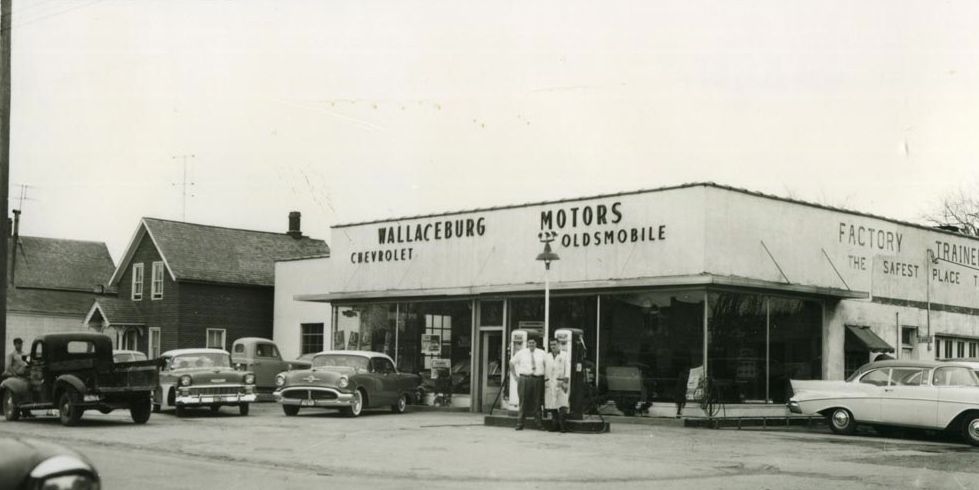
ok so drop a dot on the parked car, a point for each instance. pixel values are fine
(202, 378)
(261, 356)
(128, 356)
(942, 395)
(74, 372)
(31, 464)
(348, 380)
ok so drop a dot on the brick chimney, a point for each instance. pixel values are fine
(294, 230)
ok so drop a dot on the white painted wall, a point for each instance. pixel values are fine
(294, 277)
(29, 326)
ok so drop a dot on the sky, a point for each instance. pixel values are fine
(350, 111)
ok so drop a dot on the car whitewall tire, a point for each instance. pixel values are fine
(841, 421)
(970, 430)
(401, 405)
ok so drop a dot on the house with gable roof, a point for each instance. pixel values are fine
(51, 284)
(182, 285)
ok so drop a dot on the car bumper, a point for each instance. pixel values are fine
(341, 399)
(191, 400)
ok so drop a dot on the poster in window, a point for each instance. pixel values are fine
(431, 344)
(338, 340)
(353, 341)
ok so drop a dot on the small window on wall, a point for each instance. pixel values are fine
(137, 285)
(311, 338)
(156, 287)
(154, 347)
(956, 347)
(972, 348)
(215, 338)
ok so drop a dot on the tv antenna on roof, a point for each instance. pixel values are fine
(184, 184)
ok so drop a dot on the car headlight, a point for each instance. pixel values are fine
(343, 382)
(185, 380)
(249, 379)
(280, 380)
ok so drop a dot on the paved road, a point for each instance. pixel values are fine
(452, 450)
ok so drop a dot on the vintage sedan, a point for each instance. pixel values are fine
(348, 380)
(30, 464)
(937, 395)
(202, 378)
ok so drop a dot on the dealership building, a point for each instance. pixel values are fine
(750, 288)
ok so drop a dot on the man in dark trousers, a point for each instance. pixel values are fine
(528, 365)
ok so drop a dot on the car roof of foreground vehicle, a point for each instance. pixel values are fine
(20, 456)
(197, 350)
(913, 363)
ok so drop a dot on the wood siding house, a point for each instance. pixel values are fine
(183, 285)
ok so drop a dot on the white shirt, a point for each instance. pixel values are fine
(525, 363)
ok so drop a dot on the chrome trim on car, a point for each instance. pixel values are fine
(342, 399)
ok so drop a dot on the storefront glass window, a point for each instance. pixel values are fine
(648, 343)
(736, 351)
(796, 338)
(442, 332)
(758, 343)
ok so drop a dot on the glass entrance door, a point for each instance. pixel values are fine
(491, 363)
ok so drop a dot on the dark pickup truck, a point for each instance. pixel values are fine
(74, 372)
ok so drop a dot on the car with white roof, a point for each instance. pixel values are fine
(936, 395)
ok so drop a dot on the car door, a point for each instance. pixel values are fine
(867, 391)
(956, 387)
(387, 377)
(909, 399)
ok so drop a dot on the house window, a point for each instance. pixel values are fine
(137, 293)
(909, 337)
(154, 347)
(960, 349)
(215, 338)
(128, 340)
(156, 287)
(972, 349)
(312, 338)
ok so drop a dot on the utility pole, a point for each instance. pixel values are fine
(6, 14)
(183, 212)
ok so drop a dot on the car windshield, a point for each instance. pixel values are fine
(201, 360)
(340, 360)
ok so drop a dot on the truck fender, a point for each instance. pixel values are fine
(68, 380)
(20, 387)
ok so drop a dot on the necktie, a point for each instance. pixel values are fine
(533, 365)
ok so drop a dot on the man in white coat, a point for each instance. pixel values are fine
(556, 381)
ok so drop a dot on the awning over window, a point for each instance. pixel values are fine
(867, 336)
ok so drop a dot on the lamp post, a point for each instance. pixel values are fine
(548, 256)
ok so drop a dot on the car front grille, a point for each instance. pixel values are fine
(309, 395)
(215, 390)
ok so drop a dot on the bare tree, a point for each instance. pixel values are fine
(960, 210)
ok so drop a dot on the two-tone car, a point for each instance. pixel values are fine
(936, 395)
(349, 380)
(199, 378)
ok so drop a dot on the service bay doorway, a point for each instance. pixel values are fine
(492, 369)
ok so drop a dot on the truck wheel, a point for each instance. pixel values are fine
(70, 414)
(243, 409)
(10, 410)
(139, 409)
(181, 411)
(290, 410)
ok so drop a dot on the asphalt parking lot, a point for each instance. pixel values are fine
(453, 450)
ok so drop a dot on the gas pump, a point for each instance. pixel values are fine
(518, 338)
(572, 343)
